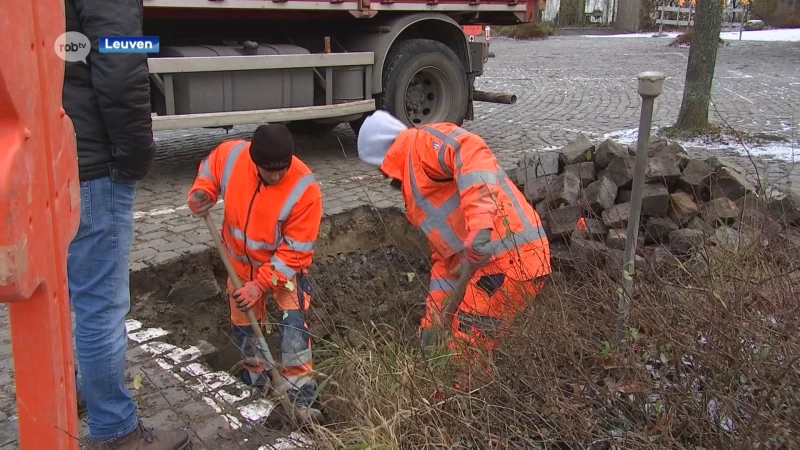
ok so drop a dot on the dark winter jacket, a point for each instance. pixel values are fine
(108, 99)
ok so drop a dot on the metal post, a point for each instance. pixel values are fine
(661, 25)
(650, 85)
(741, 25)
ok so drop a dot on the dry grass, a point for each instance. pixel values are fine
(709, 362)
(526, 31)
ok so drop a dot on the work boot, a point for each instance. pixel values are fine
(302, 399)
(142, 438)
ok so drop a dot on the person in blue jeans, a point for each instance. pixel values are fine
(108, 100)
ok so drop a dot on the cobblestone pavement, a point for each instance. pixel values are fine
(565, 85)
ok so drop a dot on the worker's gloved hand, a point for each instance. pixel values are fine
(249, 295)
(478, 247)
(199, 203)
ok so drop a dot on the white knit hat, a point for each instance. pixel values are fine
(376, 135)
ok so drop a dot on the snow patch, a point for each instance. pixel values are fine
(782, 150)
(779, 35)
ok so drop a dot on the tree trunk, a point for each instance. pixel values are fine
(700, 68)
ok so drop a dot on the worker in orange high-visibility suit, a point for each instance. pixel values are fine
(273, 209)
(472, 214)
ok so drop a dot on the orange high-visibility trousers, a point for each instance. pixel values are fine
(490, 302)
(295, 342)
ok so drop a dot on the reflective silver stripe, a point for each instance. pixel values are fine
(251, 244)
(296, 359)
(230, 161)
(481, 177)
(298, 381)
(281, 267)
(300, 246)
(447, 139)
(241, 258)
(205, 169)
(484, 324)
(442, 284)
(529, 233)
(295, 194)
(435, 217)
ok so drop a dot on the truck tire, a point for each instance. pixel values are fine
(355, 125)
(310, 127)
(425, 82)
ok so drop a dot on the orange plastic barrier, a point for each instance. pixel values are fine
(39, 215)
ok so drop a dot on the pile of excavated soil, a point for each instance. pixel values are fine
(385, 286)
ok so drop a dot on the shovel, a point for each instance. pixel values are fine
(278, 382)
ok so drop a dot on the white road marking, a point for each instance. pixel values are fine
(203, 380)
(148, 334)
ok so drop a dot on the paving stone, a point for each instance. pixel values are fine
(599, 195)
(683, 240)
(617, 216)
(786, 207)
(693, 178)
(729, 183)
(561, 222)
(620, 171)
(615, 259)
(669, 148)
(540, 164)
(163, 258)
(697, 223)
(657, 229)
(536, 189)
(664, 169)
(616, 238)
(591, 252)
(655, 200)
(566, 190)
(607, 151)
(578, 150)
(584, 171)
(726, 237)
(682, 207)
(595, 229)
(720, 210)
(542, 208)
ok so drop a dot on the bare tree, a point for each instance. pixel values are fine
(700, 68)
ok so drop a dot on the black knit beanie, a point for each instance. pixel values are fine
(272, 147)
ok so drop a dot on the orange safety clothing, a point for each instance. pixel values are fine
(452, 185)
(268, 232)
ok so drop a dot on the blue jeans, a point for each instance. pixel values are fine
(97, 270)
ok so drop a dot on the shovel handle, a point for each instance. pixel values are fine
(459, 290)
(261, 342)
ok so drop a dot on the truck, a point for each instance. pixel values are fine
(315, 64)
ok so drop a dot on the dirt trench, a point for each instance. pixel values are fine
(370, 267)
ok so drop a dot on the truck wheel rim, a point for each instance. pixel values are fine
(428, 96)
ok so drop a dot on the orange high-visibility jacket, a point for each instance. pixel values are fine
(264, 226)
(452, 184)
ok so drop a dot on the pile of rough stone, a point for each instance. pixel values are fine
(685, 202)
